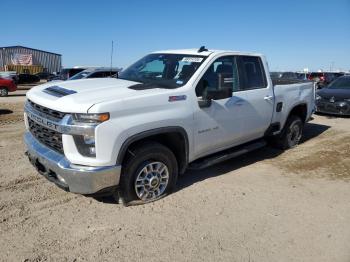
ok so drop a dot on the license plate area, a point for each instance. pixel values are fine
(46, 172)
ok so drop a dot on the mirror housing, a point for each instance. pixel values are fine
(218, 94)
(209, 95)
(204, 103)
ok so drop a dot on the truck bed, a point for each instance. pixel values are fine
(302, 92)
(286, 81)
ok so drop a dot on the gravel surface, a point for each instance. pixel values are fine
(266, 206)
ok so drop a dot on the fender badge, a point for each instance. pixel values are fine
(177, 98)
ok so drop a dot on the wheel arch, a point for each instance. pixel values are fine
(298, 110)
(174, 137)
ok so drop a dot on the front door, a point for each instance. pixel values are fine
(219, 125)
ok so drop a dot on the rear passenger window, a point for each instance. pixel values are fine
(251, 73)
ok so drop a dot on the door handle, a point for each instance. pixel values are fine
(269, 98)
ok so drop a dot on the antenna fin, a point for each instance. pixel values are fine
(202, 49)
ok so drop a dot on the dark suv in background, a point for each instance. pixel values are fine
(323, 78)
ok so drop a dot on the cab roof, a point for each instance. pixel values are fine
(195, 51)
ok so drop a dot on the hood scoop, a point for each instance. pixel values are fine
(58, 91)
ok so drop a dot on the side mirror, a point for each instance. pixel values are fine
(210, 95)
(218, 94)
(204, 103)
(200, 89)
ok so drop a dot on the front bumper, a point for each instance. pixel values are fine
(336, 108)
(73, 178)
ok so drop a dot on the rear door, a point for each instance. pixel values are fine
(257, 97)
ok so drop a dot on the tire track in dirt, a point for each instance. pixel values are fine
(330, 157)
(20, 183)
(31, 210)
(11, 113)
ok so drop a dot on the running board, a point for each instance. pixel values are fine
(226, 154)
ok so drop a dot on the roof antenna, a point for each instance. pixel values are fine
(202, 49)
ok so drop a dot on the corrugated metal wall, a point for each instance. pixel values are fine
(33, 69)
(50, 61)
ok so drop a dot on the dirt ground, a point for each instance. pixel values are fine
(266, 206)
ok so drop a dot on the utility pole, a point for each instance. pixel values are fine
(111, 58)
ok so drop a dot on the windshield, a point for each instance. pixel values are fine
(340, 83)
(82, 74)
(163, 70)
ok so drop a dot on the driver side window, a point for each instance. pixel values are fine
(222, 74)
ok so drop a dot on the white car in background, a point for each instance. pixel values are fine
(100, 72)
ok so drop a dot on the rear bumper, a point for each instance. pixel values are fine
(73, 178)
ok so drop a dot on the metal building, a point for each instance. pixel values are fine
(20, 56)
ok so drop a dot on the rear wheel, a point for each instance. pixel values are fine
(3, 91)
(291, 134)
(149, 174)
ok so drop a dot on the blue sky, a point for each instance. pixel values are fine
(292, 34)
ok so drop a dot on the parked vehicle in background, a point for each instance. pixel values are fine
(303, 76)
(323, 78)
(67, 73)
(6, 86)
(100, 72)
(284, 78)
(289, 75)
(334, 98)
(27, 79)
(10, 75)
(274, 75)
(169, 111)
(45, 75)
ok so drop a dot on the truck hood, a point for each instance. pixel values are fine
(78, 96)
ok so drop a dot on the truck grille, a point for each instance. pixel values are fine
(47, 111)
(46, 136)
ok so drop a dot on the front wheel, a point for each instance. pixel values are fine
(291, 134)
(149, 174)
(3, 91)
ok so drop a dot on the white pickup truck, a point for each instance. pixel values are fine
(169, 111)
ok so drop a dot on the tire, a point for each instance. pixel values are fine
(138, 184)
(3, 91)
(291, 133)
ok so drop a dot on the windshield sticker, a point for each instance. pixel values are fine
(192, 59)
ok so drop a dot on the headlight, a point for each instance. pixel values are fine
(90, 118)
(86, 143)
